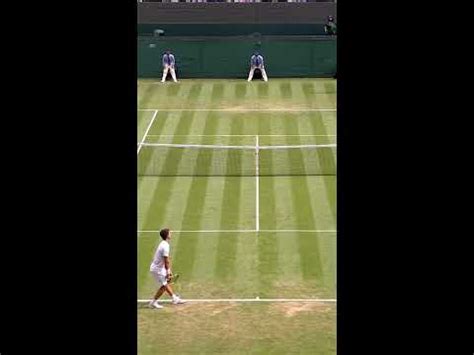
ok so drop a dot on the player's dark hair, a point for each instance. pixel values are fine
(164, 233)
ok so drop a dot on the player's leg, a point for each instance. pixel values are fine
(165, 72)
(164, 287)
(161, 290)
(176, 299)
(173, 74)
(251, 74)
(264, 74)
(169, 290)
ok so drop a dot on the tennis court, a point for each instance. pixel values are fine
(245, 176)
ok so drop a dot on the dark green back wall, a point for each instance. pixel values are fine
(186, 29)
(229, 57)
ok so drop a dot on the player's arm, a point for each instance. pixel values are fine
(168, 267)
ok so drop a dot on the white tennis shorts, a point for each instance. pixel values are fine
(159, 278)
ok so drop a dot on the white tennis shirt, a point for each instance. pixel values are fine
(158, 263)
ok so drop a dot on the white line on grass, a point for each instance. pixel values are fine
(201, 231)
(257, 227)
(146, 132)
(246, 231)
(215, 300)
(252, 147)
(243, 109)
(241, 135)
(299, 231)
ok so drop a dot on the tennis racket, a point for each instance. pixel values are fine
(173, 278)
(176, 285)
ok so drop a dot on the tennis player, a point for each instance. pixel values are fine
(160, 268)
(256, 62)
(169, 62)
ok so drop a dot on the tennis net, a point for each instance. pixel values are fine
(158, 159)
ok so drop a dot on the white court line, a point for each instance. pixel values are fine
(298, 231)
(241, 135)
(257, 218)
(146, 132)
(215, 300)
(252, 147)
(244, 109)
(246, 231)
(202, 231)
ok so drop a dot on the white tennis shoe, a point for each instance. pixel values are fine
(178, 300)
(155, 304)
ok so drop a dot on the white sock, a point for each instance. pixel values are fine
(175, 297)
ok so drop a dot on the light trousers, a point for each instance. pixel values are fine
(165, 73)
(262, 69)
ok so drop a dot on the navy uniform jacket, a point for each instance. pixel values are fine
(256, 60)
(168, 59)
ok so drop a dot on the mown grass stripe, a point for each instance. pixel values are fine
(285, 90)
(143, 119)
(230, 211)
(308, 248)
(160, 120)
(329, 181)
(297, 92)
(173, 90)
(240, 91)
(262, 90)
(267, 265)
(246, 279)
(192, 218)
(330, 88)
(205, 99)
(217, 92)
(146, 156)
(268, 247)
(158, 204)
(177, 193)
(206, 247)
(328, 247)
(309, 91)
(145, 96)
(150, 159)
(193, 95)
(274, 93)
(167, 121)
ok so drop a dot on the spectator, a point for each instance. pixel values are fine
(330, 26)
